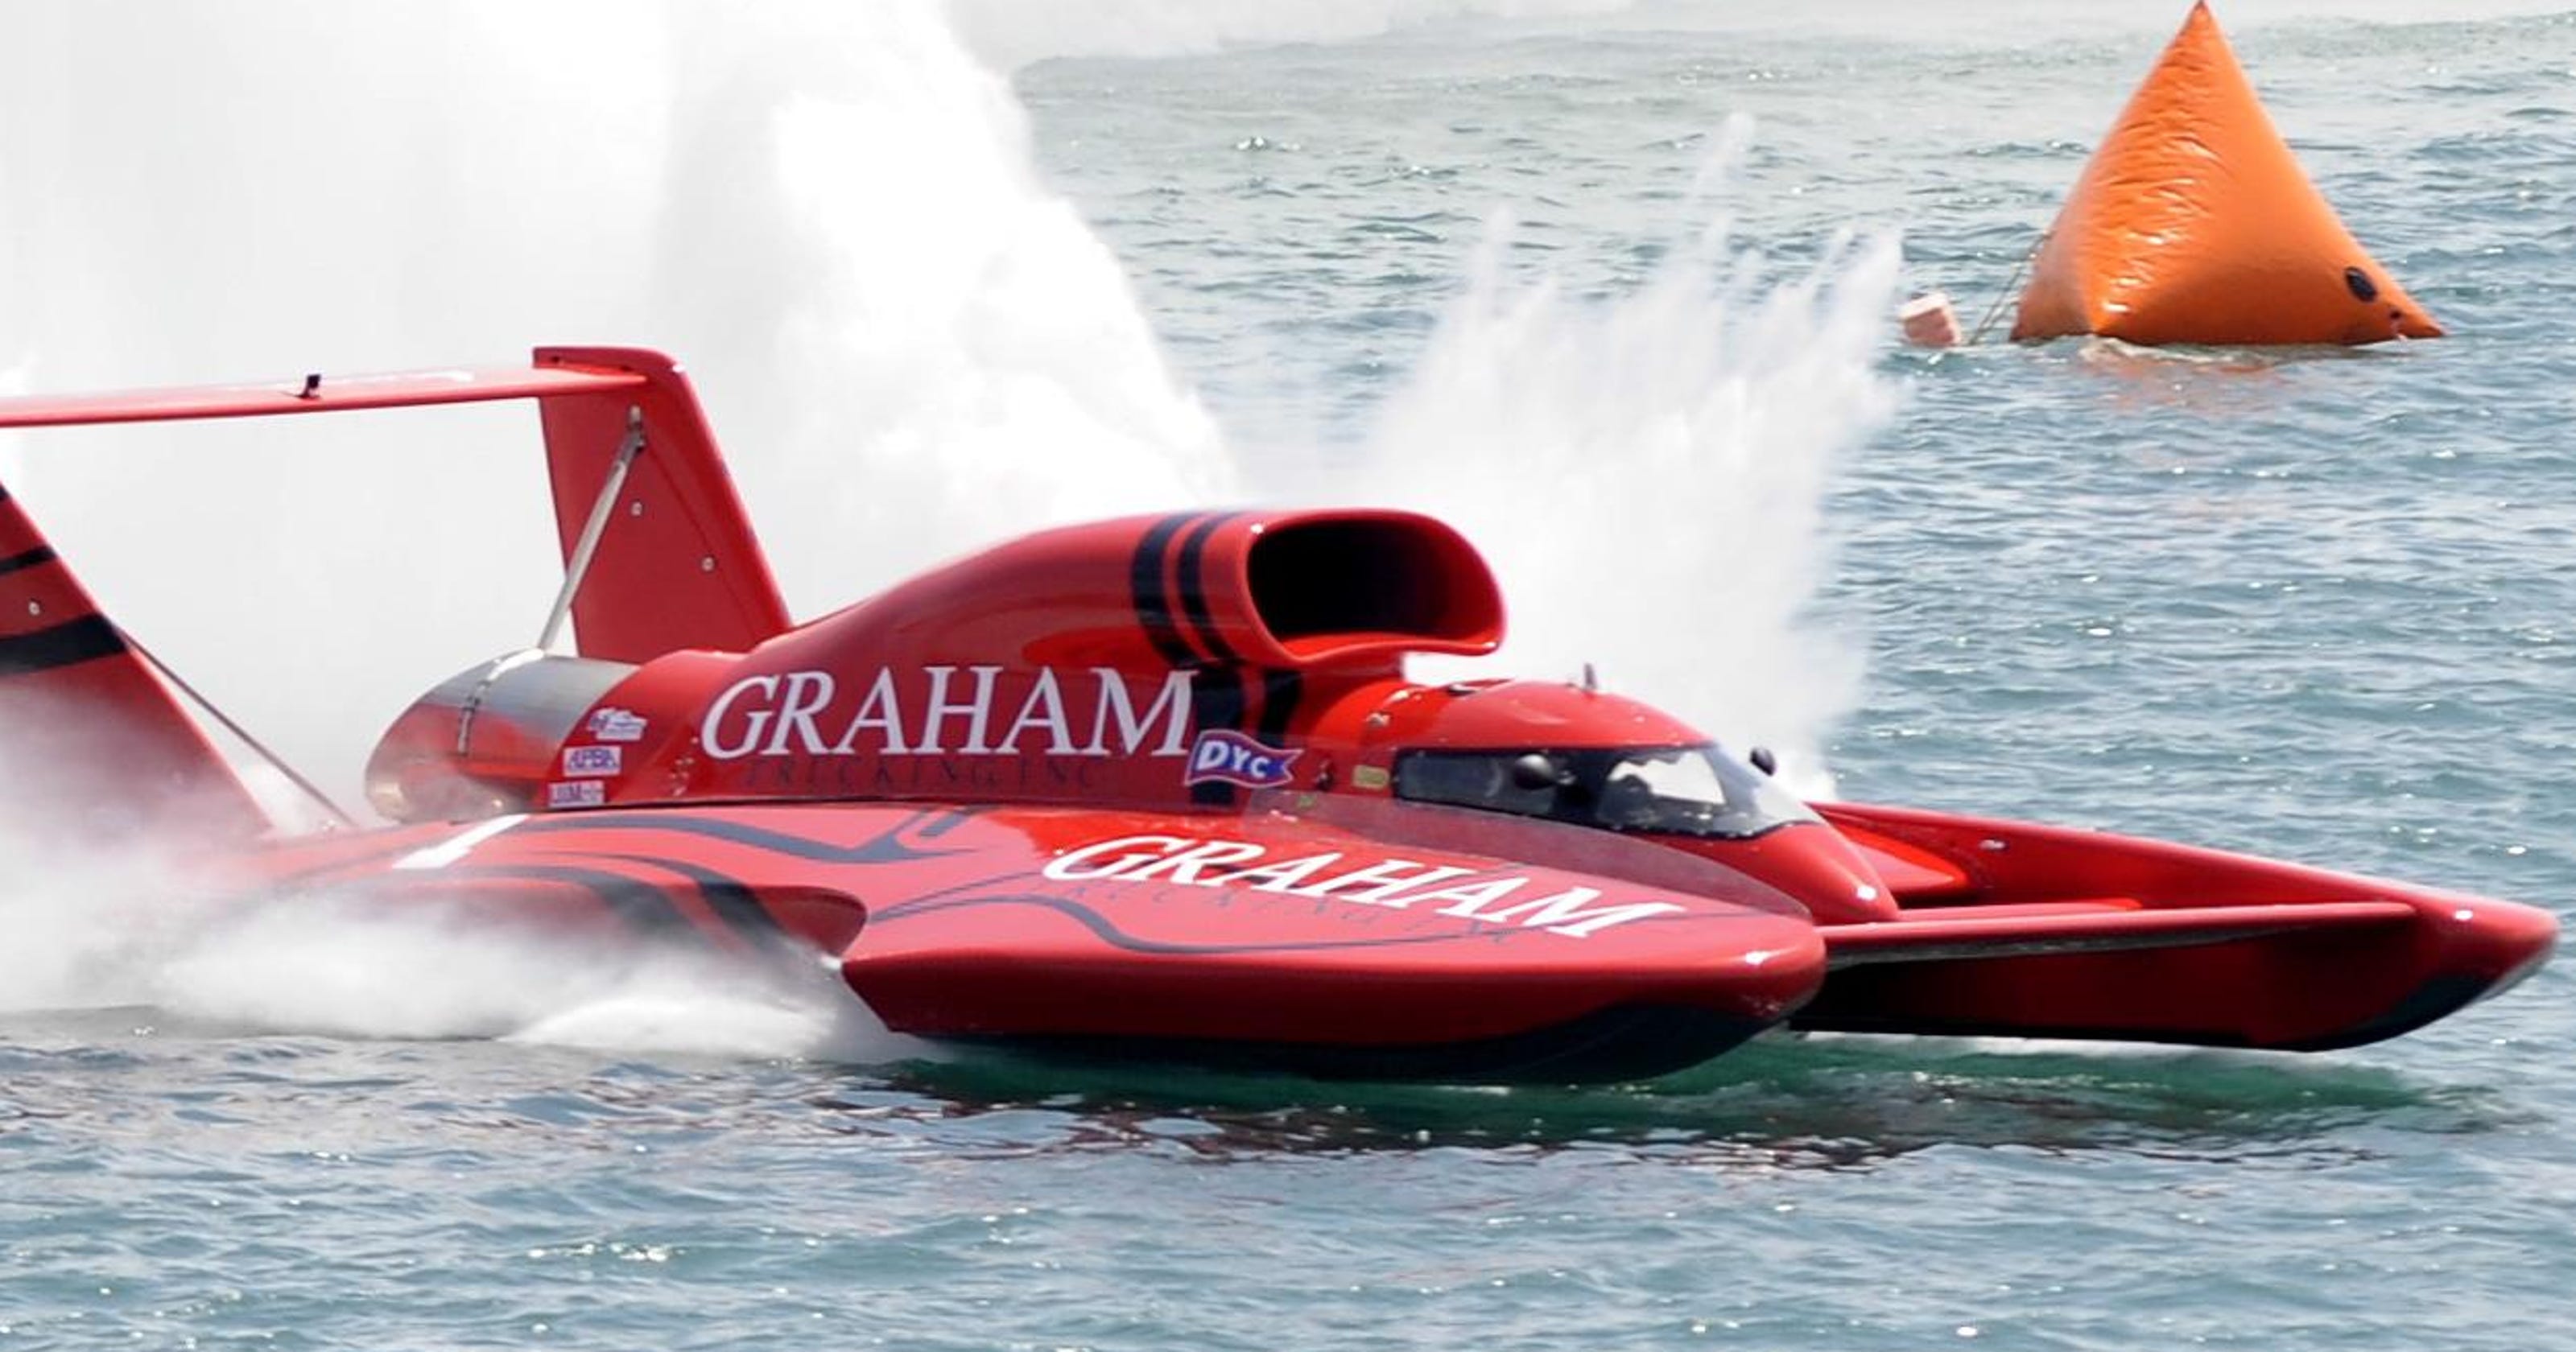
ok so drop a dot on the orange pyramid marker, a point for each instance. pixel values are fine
(2193, 223)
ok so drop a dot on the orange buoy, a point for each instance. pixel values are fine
(2193, 223)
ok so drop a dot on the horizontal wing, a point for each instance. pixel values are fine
(311, 394)
(677, 565)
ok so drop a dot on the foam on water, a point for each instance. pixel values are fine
(315, 964)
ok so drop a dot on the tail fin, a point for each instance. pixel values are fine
(677, 566)
(91, 742)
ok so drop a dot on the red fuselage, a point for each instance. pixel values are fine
(1159, 787)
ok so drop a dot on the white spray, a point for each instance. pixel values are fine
(909, 345)
(829, 210)
(1648, 474)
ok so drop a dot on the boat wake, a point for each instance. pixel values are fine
(93, 932)
(1781, 1102)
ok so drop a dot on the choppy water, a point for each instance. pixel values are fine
(1611, 288)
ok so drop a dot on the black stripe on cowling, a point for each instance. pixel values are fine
(1145, 590)
(1194, 599)
(1280, 691)
(4, 492)
(1216, 703)
(1217, 696)
(67, 644)
(38, 555)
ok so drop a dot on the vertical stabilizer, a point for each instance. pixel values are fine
(92, 745)
(676, 565)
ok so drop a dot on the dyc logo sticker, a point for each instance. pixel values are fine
(1224, 756)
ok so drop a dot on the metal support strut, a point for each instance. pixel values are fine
(242, 734)
(631, 446)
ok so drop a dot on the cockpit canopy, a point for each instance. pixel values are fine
(1695, 790)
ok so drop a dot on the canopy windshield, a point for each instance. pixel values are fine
(1662, 790)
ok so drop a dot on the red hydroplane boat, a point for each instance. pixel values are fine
(1159, 787)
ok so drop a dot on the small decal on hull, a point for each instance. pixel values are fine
(577, 793)
(616, 725)
(579, 761)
